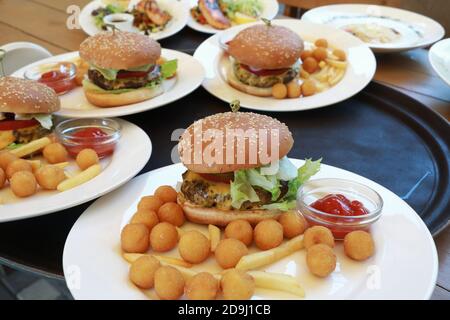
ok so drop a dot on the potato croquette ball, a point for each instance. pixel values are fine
(151, 203)
(23, 184)
(310, 65)
(305, 54)
(320, 54)
(142, 271)
(237, 285)
(321, 43)
(321, 260)
(134, 238)
(6, 158)
(16, 166)
(166, 194)
(169, 283)
(268, 234)
(359, 245)
(240, 230)
(293, 223)
(163, 237)
(194, 247)
(172, 213)
(49, 177)
(86, 158)
(309, 88)
(55, 153)
(229, 252)
(2, 178)
(147, 217)
(202, 286)
(316, 235)
(279, 91)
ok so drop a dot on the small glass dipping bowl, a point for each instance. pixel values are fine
(68, 133)
(59, 76)
(339, 225)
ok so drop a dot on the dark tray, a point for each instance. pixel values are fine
(380, 134)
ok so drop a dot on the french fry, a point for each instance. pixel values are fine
(214, 236)
(278, 282)
(322, 75)
(337, 77)
(31, 147)
(131, 257)
(35, 164)
(263, 258)
(80, 178)
(61, 165)
(337, 64)
(304, 74)
(322, 64)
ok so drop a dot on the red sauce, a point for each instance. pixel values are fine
(264, 72)
(57, 80)
(340, 205)
(91, 138)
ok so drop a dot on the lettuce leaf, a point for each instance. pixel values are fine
(283, 206)
(44, 119)
(268, 183)
(111, 74)
(241, 190)
(287, 170)
(304, 173)
(169, 68)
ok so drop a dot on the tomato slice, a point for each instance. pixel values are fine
(220, 177)
(16, 124)
(264, 72)
(132, 74)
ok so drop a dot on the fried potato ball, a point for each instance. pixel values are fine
(16, 166)
(147, 217)
(142, 271)
(6, 158)
(340, 54)
(279, 91)
(194, 247)
(310, 65)
(359, 245)
(321, 260)
(134, 238)
(268, 234)
(166, 194)
(293, 224)
(163, 237)
(229, 252)
(169, 283)
(309, 88)
(202, 286)
(2, 178)
(294, 90)
(55, 153)
(320, 54)
(150, 203)
(240, 230)
(323, 43)
(86, 158)
(172, 213)
(237, 285)
(49, 177)
(306, 54)
(318, 235)
(23, 184)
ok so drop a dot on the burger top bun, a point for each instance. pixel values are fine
(26, 96)
(266, 47)
(195, 145)
(120, 50)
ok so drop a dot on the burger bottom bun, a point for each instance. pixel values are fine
(255, 91)
(106, 100)
(202, 215)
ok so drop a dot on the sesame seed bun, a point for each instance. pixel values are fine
(120, 50)
(26, 96)
(266, 47)
(255, 91)
(257, 151)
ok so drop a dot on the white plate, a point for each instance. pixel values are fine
(270, 10)
(416, 31)
(360, 70)
(94, 268)
(439, 57)
(74, 104)
(177, 9)
(130, 156)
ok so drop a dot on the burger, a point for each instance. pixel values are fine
(123, 68)
(238, 181)
(262, 56)
(25, 111)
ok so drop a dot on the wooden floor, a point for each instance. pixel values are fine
(44, 22)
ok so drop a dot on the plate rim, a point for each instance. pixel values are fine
(432, 61)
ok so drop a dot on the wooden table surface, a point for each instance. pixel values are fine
(44, 22)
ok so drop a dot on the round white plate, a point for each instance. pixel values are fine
(416, 31)
(360, 70)
(131, 154)
(177, 9)
(270, 10)
(94, 268)
(190, 75)
(439, 57)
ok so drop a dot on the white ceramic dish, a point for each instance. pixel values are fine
(439, 56)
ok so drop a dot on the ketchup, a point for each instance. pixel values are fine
(92, 138)
(340, 205)
(57, 80)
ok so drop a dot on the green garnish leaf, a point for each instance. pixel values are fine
(169, 68)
